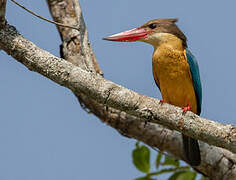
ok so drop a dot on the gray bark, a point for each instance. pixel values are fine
(2, 12)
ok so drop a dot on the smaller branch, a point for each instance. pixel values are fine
(2, 11)
(43, 18)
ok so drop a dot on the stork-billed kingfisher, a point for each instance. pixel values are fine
(175, 70)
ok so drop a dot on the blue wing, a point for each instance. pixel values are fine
(196, 79)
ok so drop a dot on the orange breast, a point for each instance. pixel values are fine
(172, 73)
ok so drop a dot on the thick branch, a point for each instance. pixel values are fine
(113, 95)
(69, 12)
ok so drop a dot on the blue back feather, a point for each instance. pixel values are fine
(196, 79)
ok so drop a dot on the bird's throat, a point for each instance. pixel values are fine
(168, 41)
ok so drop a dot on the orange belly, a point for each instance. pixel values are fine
(172, 74)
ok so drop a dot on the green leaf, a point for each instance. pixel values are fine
(183, 175)
(176, 175)
(204, 178)
(189, 175)
(144, 178)
(141, 158)
(169, 161)
(158, 159)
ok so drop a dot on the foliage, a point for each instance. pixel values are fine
(163, 164)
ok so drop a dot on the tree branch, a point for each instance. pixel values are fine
(113, 95)
(2, 12)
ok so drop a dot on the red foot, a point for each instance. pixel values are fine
(187, 108)
(162, 101)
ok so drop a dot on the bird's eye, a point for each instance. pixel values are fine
(152, 26)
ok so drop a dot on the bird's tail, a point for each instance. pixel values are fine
(191, 150)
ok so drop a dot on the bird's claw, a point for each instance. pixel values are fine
(186, 108)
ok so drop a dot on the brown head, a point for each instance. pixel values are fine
(154, 32)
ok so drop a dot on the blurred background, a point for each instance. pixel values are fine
(44, 133)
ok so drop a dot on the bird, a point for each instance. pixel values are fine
(175, 70)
